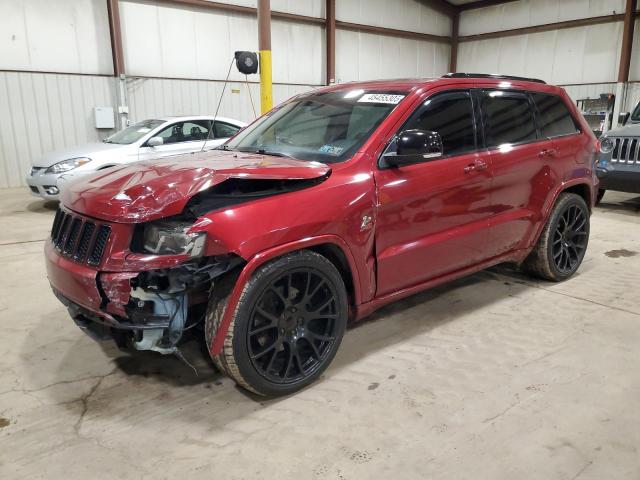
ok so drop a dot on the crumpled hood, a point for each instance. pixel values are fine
(629, 130)
(147, 191)
(90, 150)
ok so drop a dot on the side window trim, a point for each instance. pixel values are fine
(418, 109)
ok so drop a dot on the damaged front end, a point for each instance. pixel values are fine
(134, 253)
(152, 309)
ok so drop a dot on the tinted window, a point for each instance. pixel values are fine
(553, 116)
(185, 132)
(507, 118)
(224, 130)
(450, 115)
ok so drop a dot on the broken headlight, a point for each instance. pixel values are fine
(167, 237)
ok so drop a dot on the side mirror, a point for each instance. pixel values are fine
(624, 117)
(155, 141)
(415, 146)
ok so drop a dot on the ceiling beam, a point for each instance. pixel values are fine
(482, 4)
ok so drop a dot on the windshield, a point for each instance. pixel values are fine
(133, 132)
(324, 127)
(635, 116)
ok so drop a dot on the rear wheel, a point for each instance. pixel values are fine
(563, 242)
(287, 326)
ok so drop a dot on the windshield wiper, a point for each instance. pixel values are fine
(262, 151)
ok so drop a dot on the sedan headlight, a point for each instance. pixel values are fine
(606, 145)
(66, 165)
(171, 238)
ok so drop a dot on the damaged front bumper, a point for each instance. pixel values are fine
(147, 309)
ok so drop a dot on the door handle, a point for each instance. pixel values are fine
(548, 153)
(475, 166)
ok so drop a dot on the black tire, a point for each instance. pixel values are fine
(563, 242)
(295, 346)
(601, 193)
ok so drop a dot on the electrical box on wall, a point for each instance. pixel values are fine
(104, 117)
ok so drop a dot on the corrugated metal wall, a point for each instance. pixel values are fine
(175, 41)
(527, 13)
(153, 97)
(574, 55)
(43, 112)
(58, 36)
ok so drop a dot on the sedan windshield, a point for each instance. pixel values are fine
(133, 132)
(325, 127)
(635, 116)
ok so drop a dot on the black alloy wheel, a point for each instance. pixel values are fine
(293, 326)
(563, 242)
(570, 239)
(287, 326)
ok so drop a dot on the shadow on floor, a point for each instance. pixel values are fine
(626, 204)
(394, 323)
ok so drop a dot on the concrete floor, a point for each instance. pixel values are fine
(492, 377)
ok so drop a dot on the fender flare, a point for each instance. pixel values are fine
(264, 256)
(554, 197)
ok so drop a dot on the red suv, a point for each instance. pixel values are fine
(329, 206)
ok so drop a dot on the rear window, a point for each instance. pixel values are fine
(508, 118)
(553, 116)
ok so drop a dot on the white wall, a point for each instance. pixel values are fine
(582, 55)
(574, 55)
(367, 56)
(56, 36)
(41, 112)
(527, 13)
(153, 97)
(411, 15)
(176, 41)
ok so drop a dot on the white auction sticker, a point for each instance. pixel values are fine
(381, 98)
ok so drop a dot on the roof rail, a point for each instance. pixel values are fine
(489, 75)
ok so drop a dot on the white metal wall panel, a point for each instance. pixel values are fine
(155, 97)
(62, 36)
(366, 56)
(43, 112)
(576, 55)
(527, 13)
(411, 15)
(310, 8)
(175, 41)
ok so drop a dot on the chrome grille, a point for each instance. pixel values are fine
(626, 150)
(80, 239)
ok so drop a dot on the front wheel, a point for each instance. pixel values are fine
(286, 327)
(563, 242)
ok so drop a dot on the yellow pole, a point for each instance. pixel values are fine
(266, 95)
(264, 46)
